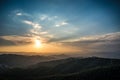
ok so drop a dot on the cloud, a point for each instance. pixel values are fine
(47, 17)
(99, 43)
(64, 23)
(15, 40)
(18, 14)
(21, 13)
(109, 36)
(43, 17)
(43, 32)
(4, 42)
(36, 31)
(28, 22)
(57, 25)
(60, 39)
(35, 25)
(61, 24)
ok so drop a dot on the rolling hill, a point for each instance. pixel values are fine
(13, 60)
(89, 68)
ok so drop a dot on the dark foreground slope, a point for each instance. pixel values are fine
(105, 73)
(92, 68)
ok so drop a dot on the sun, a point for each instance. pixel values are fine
(38, 43)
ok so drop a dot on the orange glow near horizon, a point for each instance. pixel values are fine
(39, 47)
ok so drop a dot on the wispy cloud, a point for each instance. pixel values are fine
(47, 17)
(35, 25)
(44, 32)
(43, 17)
(21, 13)
(18, 14)
(36, 30)
(61, 24)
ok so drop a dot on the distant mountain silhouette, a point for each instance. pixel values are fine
(13, 60)
(61, 56)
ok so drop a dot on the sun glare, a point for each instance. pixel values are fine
(38, 43)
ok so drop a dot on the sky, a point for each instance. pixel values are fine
(60, 26)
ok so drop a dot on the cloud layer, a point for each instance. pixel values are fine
(100, 43)
(15, 40)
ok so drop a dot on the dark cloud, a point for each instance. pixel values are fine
(4, 42)
(23, 42)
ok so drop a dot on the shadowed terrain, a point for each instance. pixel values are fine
(73, 68)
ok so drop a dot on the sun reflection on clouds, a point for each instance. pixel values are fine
(40, 23)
